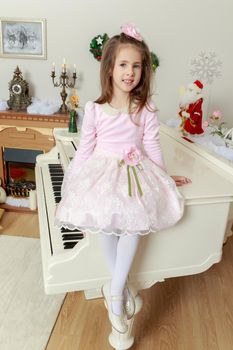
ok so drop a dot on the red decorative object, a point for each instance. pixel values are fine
(191, 109)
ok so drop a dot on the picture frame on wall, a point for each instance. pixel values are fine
(23, 38)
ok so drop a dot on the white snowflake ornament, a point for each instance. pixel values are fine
(206, 67)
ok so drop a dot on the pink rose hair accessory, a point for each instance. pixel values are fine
(131, 30)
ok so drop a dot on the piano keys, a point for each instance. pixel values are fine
(69, 237)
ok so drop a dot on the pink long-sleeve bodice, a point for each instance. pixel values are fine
(111, 130)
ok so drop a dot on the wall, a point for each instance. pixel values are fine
(177, 31)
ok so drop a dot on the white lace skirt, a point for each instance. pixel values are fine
(104, 196)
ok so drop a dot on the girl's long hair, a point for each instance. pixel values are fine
(140, 96)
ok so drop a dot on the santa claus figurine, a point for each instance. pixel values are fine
(191, 109)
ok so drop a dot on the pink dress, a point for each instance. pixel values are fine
(117, 182)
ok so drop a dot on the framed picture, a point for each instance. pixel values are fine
(23, 38)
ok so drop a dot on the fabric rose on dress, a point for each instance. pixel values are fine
(131, 30)
(132, 157)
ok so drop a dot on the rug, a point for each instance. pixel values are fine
(27, 315)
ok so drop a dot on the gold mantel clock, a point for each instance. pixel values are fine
(19, 92)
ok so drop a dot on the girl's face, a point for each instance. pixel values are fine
(127, 69)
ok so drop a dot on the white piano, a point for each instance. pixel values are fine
(73, 261)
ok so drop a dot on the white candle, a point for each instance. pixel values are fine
(32, 200)
(74, 68)
(53, 68)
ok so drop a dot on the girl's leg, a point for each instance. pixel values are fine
(109, 247)
(126, 250)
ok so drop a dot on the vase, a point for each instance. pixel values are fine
(72, 121)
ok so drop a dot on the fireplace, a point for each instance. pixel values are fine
(22, 137)
(19, 171)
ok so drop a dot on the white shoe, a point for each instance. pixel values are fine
(129, 303)
(118, 321)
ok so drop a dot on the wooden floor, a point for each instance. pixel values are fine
(185, 313)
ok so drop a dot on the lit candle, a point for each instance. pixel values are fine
(64, 66)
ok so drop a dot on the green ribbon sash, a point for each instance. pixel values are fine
(133, 169)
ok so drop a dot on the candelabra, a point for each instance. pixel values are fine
(65, 83)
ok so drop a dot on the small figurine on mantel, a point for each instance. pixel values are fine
(19, 92)
(191, 109)
(73, 104)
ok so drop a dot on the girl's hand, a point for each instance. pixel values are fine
(181, 180)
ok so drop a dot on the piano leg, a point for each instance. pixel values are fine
(124, 341)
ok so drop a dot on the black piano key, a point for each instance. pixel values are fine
(56, 178)
(57, 189)
(63, 229)
(74, 145)
(69, 245)
(56, 170)
(72, 238)
(54, 166)
(57, 199)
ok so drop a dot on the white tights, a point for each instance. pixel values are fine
(119, 253)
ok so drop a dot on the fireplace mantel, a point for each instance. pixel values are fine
(23, 119)
(28, 131)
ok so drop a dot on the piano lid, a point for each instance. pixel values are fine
(211, 177)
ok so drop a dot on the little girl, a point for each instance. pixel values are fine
(117, 184)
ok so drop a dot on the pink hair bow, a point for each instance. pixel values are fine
(131, 30)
